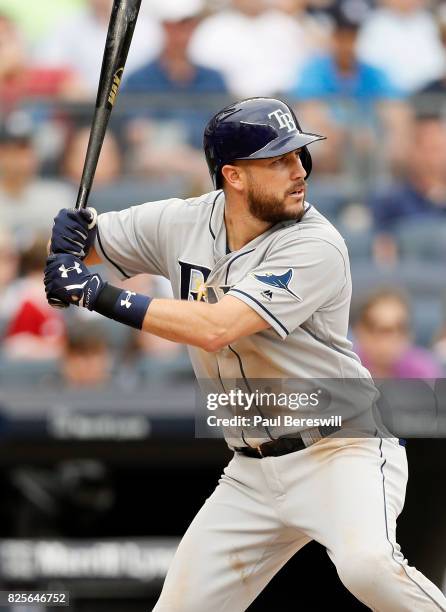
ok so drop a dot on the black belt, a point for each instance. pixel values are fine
(281, 446)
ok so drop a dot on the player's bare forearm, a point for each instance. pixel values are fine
(207, 326)
(68, 280)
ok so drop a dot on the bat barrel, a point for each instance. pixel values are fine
(119, 36)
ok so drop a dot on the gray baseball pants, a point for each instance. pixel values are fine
(345, 493)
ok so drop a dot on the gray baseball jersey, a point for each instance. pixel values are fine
(344, 493)
(296, 276)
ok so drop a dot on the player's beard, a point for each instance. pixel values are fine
(270, 208)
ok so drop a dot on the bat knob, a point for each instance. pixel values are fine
(56, 303)
(93, 217)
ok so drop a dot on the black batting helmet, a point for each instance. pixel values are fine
(256, 128)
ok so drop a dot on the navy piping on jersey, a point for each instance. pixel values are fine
(219, 377)
(263, 308)
(249, 388)
(329, 344)
(212, 212)
(306, 210)
(303, 215)
(387, 533)
(224, 389)
(244, 439)
(108, 258)
(232, 261)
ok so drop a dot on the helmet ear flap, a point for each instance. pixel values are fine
(218, 179)
(305, 158)
(305, 155)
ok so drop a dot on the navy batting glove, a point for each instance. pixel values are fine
(74, 231)
(69, 281)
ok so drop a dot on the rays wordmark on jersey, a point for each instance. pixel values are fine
(193, 284)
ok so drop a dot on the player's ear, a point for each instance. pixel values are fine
(233, 177)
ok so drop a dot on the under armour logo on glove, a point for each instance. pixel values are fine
(69, 281)
(127, 303)
(65, 271)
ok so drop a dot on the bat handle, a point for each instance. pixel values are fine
(82, 197)
(81, 202)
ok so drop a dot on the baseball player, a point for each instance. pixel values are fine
(262, 288)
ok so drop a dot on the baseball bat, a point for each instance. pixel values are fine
(119, 36)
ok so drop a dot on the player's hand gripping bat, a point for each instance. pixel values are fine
(120, 31)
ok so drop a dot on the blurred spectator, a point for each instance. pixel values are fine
(351, 101)
(78, 43)
(166, 152)
(340, 73)
(421, 192)
(109, 165)
(166, 146)
(402, 38)
(35, 18)
(8, 271)
(438, 86)
(258, 48)
(439, 346)
(35, 330)
(87, 358)
(291, 7)
(355, 9)
(27, 203)
(384, 339)
(20, 80)
(173, 71)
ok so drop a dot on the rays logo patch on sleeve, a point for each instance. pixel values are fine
(279, 282)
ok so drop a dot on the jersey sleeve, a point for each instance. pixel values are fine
(133, 241)
(294, 281)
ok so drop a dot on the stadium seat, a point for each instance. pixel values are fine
(428, 316)
(422, 239)
(20, 373)
(135, 191)
(330, 195)
(176, 368)
(359, 244)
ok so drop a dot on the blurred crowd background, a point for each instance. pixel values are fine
(370, 75)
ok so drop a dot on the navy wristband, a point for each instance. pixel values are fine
(122, 305)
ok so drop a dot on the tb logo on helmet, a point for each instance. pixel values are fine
(285, 120)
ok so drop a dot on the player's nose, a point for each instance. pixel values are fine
(297, 169)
